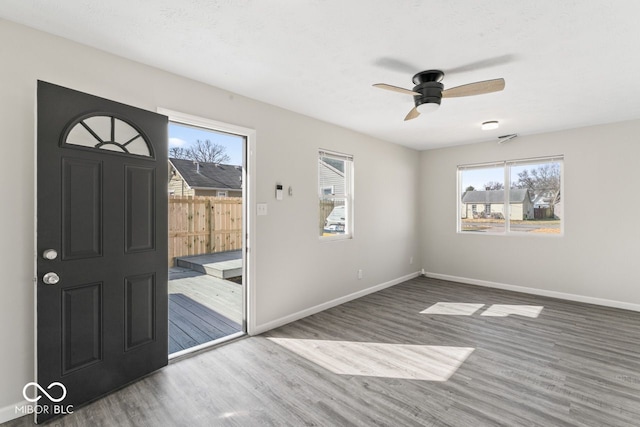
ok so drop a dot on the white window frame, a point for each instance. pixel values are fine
(222, 193)
(348, 193)
(507, 164)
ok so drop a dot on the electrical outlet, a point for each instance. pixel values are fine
(411, 260)
(359, 274)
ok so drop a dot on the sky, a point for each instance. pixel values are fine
(478, 177)
(183, 136)
(481, 176)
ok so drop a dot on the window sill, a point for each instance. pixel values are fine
(336, 238)
(513, 234)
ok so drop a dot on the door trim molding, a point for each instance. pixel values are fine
(249, 214)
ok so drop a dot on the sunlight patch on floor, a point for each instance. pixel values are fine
(403, 361)
(453, 308)
(496, 310)
(503, 310)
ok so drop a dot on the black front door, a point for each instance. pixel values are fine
(101, 245)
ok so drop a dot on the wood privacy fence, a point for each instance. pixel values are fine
(201, 225)
(326, 206)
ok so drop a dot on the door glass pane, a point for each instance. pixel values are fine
(112, 147)
(124, 131)
(138, 146)
(101, 125)
(79, 135)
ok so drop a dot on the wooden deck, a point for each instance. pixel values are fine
(223, 265)
(202, 308)
(220, 295)
(192, 324)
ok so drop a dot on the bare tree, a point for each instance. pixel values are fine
(494, 185)
(207, 152)
(543, 178)
(542, 181)
(178, 153)
(201, 151)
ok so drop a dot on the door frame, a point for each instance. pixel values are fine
(248, 197)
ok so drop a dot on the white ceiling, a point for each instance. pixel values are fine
(567, 63)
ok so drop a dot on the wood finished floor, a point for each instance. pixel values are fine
(573, 365)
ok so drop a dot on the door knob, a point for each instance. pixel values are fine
(50, 254)
(51, 278)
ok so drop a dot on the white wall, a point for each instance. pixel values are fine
(597, 257)
(294, 271)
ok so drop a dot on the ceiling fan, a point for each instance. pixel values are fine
(428, 91)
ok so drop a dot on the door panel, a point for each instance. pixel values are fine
(103, 208)
(140, 297)
(140, 186)
(82, 330)
(81, 208)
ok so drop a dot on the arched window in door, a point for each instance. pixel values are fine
(107, 132)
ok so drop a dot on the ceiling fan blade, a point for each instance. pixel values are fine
(396, 89)
(396, 65)
(477, 88)
(483, 63)
(412, 114)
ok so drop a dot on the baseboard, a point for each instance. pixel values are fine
(8, 413)
(536, 291)
(259, 329)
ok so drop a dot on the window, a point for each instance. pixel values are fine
(221, 194)
(327, 191)
(531, 202)
(335, 195)
(107, 133)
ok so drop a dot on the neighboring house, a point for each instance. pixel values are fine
(189, 178)
(331, 179)
(547, 204)
(490, 204)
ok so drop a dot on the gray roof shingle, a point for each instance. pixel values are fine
(494, 196)
(218, 176)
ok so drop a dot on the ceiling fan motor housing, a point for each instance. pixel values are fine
(431, 93)
(427, 92)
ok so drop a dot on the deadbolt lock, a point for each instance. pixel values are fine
(50, 254)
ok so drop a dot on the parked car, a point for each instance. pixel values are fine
(335, 221)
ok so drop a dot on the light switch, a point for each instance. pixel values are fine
(262, 209)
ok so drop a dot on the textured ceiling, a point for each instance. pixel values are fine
(567, 63)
